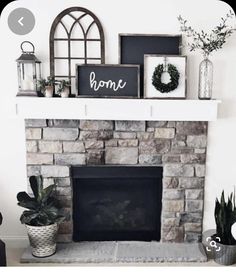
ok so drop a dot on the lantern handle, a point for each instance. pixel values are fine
(27, 42)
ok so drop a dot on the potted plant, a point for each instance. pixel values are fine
(46, 86)
(207, 43)
(2, 249)
(41, 217)
(64, 88)
(225, 217)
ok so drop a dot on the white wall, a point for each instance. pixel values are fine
(150, 16)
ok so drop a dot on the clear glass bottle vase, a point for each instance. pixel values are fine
(205, 79)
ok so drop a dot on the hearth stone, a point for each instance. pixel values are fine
(125, 135)
(62, 123)
(33, 133)
(136, 126)
(150, 159)
(121, 155)
(155, 124)
(31, 146)
(96, 125)
(197, 141)
(60, 134)
(95, 157)
(121, 252)
(53, 146)
(191, 128)
(36, 123)
(73, 147)
(164, 133)
(50, 147)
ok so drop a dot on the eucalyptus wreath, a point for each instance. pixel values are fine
(174, 78)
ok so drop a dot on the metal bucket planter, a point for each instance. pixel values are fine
(227, 255)
(43, 240)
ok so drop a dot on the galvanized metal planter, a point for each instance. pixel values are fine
(43, 239)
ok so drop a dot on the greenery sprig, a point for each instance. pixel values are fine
(174, 78)
(62, 85)
(43, 83)
(208, 42)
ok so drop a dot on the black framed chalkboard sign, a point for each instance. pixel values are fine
(108, 81)
(133, 47)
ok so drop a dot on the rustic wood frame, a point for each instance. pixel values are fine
(145, 78)
(52, 39)
(109, 65)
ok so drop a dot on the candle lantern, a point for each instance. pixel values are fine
(29, 71)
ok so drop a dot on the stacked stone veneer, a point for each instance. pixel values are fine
(180, 147)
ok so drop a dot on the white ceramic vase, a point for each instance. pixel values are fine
(48, 91)
(65, 93)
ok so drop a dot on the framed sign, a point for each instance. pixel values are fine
(165, 76)
(98, 80)
(132, 48)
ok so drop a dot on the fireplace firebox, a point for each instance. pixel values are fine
(116, 203)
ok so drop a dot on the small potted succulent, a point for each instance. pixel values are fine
(41, 217)
(64, 88)
(2, 249)
(46, 86)
(225, 218)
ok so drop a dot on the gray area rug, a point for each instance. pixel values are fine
(120, 252)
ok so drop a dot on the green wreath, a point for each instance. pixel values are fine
(174, 78)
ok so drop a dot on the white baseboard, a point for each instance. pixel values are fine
(15, 241)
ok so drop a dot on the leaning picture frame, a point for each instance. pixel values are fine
(133, 47)
(165, 76)
(108, 81)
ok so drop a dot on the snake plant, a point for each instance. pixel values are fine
(225, 217)
(42, 208)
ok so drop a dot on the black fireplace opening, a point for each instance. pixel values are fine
(115, 203)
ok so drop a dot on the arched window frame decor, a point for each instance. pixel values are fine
(57, 22)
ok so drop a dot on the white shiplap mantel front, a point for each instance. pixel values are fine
(116, 109)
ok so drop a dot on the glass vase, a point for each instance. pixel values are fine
(205, 79)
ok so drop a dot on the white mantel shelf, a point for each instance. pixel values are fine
(116, 109)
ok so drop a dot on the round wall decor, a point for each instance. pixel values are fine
(174, 78)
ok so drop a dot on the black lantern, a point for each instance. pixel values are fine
(29, 72)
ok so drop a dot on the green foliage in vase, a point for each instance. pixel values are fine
(42, 208)
(225, 217)
(62, 85)
(208, 42)
(42, 83)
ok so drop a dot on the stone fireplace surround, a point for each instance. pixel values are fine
(179, 147)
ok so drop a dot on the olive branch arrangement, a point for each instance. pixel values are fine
(208, 42)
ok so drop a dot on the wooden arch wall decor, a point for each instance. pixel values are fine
(63, 31)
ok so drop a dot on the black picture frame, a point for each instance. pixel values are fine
(110, 80)
(133, 47)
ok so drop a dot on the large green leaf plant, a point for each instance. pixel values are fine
(42, 208)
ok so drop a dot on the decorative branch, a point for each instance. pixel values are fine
(208, 42)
